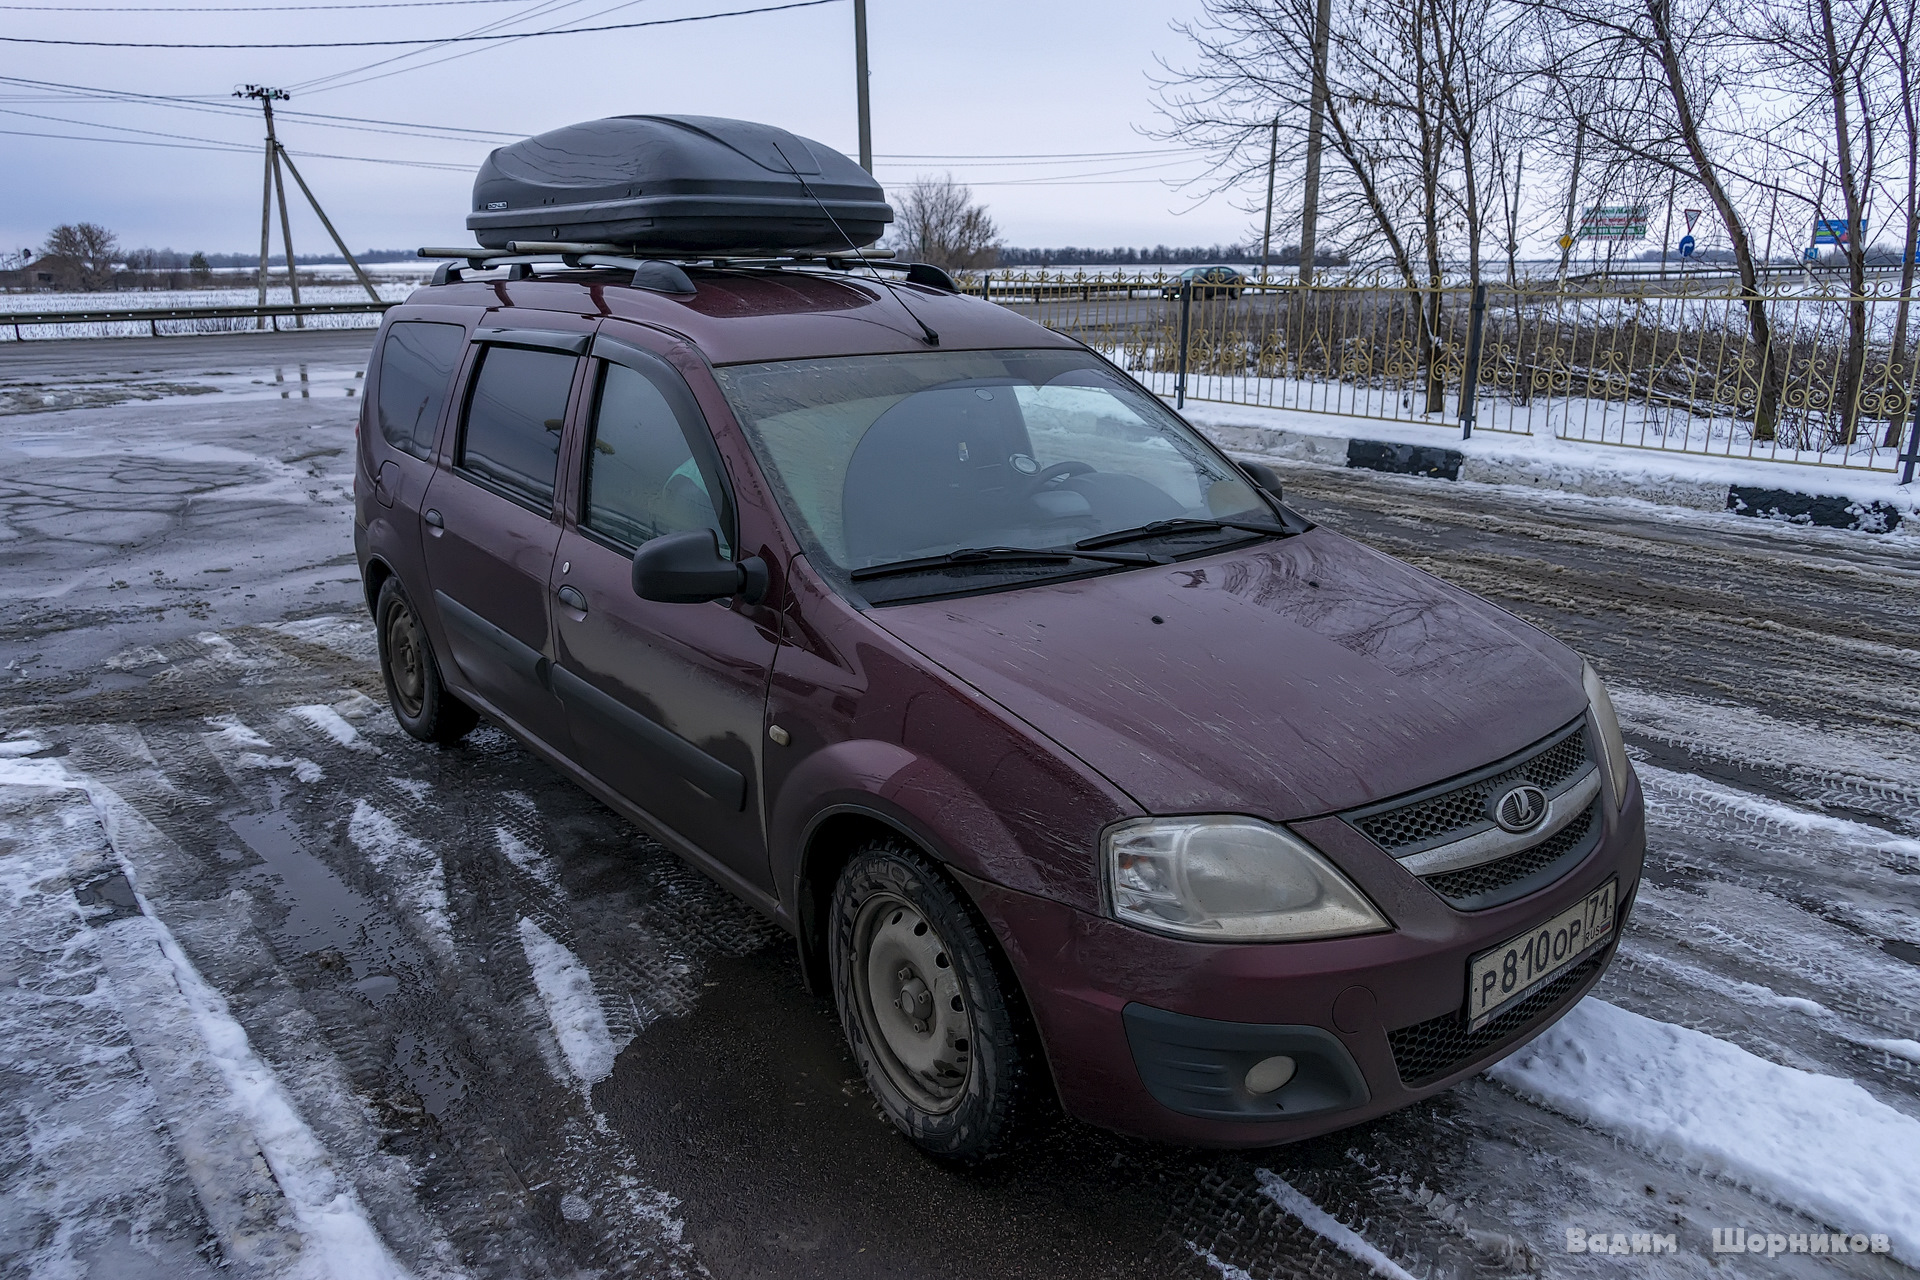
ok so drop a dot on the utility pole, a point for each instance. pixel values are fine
(1266, 234)
(266, 98)
(273, 184)
(860, 83)
(1317, 110)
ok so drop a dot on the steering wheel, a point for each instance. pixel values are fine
(1057, 471)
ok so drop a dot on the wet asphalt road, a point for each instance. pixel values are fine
(183, 628)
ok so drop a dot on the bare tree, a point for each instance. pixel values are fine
(1901, 38)
(1828, 56)
(1660, 73)
(1411, 86)
(937, 221)
(83, 253)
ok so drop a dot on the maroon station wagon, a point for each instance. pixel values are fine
(1078, 765)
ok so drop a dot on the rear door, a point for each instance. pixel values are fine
(665, 702)
(489, 518)
(412, 380)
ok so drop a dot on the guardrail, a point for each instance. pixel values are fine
(265, 317)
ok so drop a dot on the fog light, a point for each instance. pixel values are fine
(1269, 1074)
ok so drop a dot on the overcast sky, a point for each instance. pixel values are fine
(1020, 85)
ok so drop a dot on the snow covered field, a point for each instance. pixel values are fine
(290, 994)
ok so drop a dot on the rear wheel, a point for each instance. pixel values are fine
(933, 1019)
(421, 702)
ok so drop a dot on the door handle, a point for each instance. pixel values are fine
(572, 597)
(432, 517)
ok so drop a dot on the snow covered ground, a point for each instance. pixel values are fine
(289, 994)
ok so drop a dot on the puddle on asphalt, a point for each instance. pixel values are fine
(430, 1072)
(323, 913)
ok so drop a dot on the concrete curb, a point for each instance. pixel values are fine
(1440, 463)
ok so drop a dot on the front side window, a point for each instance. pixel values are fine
(885, 459)
(644, 476)
(514, 417)
(416, 365)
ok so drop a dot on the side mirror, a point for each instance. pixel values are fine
(1264, 478)
(687, 568)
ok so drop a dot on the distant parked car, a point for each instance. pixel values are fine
(1208, 282)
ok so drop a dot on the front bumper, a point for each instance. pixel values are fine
(1374, 1020)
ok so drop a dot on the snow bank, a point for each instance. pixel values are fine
(566, 991)
(1328, 1227)
(233, 731)
(408, 861)
(331, 1219)
(334, 725)
(1817, 1144)
(526, 858)
(1668, 476)
(1225, 1270)
(341, 1243)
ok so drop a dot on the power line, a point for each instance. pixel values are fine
(1036, 155)
(378, 44)
(250, 8)
(235, 148)
(80, 92)
(336, 80)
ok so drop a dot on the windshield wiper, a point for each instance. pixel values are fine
(1182, 524)
(997, 555)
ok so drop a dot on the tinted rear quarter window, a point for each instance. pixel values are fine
(416, 365)
(514, 417)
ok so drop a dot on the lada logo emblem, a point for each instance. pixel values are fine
(1520, 809)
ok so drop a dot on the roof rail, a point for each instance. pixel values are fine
(662, 272)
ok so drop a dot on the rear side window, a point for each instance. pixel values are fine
(644, 475)
(514, 416)
(416, 364)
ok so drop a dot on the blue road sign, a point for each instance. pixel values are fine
(1834, 231)
(1686, 246)
(1813, 254)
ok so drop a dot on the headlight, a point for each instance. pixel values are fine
(1229, 879)
(1613, 748)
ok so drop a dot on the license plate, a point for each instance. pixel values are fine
(1522, 965)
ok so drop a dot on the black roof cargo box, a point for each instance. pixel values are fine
(682, 184)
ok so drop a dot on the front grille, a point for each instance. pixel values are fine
(1425, 1051)
(1477, 888)
(1449, 814)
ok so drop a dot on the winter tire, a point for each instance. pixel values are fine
(419, 698)
(931, 1012)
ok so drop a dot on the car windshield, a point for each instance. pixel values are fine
(883, 460)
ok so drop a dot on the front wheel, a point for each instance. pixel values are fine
(420, 700)
(935, 1023)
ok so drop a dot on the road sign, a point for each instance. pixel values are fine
(1813, 255)
(1686, 246)
(1834, 231)
(1693, 216)
(1613, 222)
(1565, 242)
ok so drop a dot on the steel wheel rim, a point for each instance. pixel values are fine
(403, 661)
(910, 1004)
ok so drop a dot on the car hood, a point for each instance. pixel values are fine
(1289, 679)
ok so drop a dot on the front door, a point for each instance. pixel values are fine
(490, 526)
(665, 702)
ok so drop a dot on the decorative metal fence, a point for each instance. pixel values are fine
(1802, 372)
